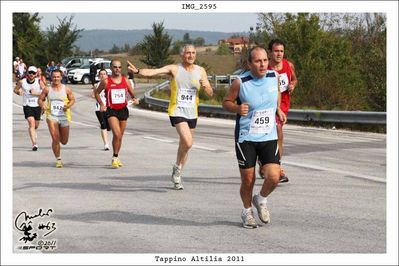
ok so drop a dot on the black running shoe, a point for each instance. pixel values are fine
(283, 179)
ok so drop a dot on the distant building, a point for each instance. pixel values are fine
(236, 44)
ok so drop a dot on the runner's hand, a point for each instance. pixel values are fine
(243, 109)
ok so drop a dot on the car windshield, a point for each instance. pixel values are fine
(66, 60)
(85, 66)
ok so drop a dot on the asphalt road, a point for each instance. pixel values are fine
(335, 201)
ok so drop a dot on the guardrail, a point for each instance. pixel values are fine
(355, 117)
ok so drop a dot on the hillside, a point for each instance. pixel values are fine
(105, 39)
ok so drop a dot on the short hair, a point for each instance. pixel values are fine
(184, 47)
(56, 70)
(115, 60)
(103, 69)
(249, 55)
(275, 41)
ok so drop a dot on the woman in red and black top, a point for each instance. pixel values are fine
(116, 89)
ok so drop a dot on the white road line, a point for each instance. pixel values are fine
(372, 178)
(172, 141)
(83, 124)
(158, 139)
(203, 148)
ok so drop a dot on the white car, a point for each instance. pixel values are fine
(82, 74)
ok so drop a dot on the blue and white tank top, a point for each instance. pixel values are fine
(261, 94)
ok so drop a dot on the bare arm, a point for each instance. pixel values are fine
(42, 97)
(146, 72)
(294, 80)
(18, 88)
(229, 101)
(205, 83)
(130, 89)
(71, 98)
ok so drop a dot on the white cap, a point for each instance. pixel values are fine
(32, 68)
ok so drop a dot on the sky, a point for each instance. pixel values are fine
(221, 22)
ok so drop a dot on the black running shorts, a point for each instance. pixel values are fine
(36, 112)
(121, 114)
(102, 118)
(248, 151)
(192, 123)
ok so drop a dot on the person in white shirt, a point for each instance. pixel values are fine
(30, 89)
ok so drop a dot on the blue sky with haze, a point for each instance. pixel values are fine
(223, 22)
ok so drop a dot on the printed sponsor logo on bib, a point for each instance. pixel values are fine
(284, 82)
(262, 122)
(186, 97)
(57, 108)
(118, 95)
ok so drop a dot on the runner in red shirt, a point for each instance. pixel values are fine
(288, 82)
(116, 89)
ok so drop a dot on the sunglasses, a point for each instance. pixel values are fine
(31, 72)
(117, 66)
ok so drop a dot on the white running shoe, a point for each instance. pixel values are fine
(263, 213)
(248, 220)
(106, 147)
(176, 177)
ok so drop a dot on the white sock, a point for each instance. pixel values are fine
(246, 210)
(262, 199)
(58, 158)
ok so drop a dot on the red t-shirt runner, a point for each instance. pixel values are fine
(116, 93)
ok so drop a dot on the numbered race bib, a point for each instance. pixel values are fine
(262, 122)
(284, 82)
(32, 101)
(186, 97)
(118, 95)
(57, 108)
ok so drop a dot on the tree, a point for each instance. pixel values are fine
(199, 41)
(339, 59)
(155, 47)
(28, 40)
(223, 49)
(115, 49)
(60, 39)
(177, 45)
(126, 48)
(187, 39)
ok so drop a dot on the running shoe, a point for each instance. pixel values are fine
(35, 147)
(248, 220)
(263, 213)
(283, 177)
(115, 163)
(58, 164)
(176, 177)
(106, 147)
(119, 162)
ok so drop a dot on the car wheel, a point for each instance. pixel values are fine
(86, 80)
